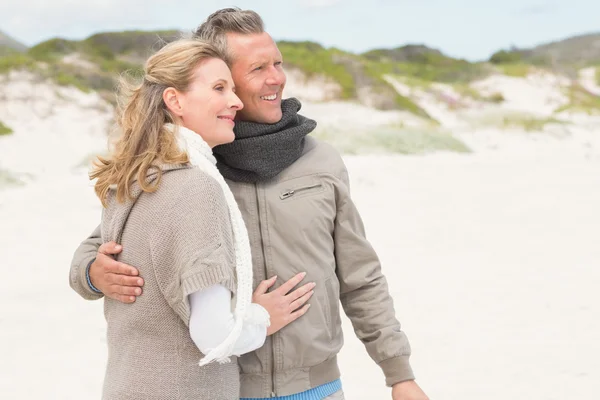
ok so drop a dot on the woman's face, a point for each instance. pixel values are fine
(209, 105)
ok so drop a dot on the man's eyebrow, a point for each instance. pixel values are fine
(257, 63)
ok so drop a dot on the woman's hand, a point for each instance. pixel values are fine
(284, 307)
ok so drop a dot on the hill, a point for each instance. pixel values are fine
(10, 45)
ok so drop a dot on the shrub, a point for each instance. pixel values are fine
(5, 130)
(399, 141)
(505, 57)
(313, 59)
(515, 70)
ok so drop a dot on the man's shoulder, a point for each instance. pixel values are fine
(319, 157)
(320, 147)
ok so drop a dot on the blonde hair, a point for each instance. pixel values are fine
(143, 139)
(228, 20)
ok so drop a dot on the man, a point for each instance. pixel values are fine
(293, 192)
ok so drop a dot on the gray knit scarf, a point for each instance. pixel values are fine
(261, 151)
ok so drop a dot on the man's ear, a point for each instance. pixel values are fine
(171, 99)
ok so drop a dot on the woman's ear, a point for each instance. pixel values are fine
(171, 99)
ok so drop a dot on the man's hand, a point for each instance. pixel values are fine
(115, 279)
(408, 390)
(282, 306)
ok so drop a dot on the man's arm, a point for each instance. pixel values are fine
(95, 273)
(364, 292)
(84, 255)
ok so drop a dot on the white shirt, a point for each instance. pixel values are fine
(211, 321)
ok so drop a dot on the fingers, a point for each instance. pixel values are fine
(126, 290)
(123, 298)
(110, 248)
(124, 280)
(301, 291)
(289, 285)
(124, 294)
(111, 266)
(297, 314)
(265, 285)
(296, 304)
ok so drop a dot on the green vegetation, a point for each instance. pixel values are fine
(465, 90)
(576, 52)
(350, 71)
(519, 70)
(7, 51)
(529, 123)
(495, 98)
(453, 71)
(598, 75)
(9, 179)
(16, 61)
(518, 120)
(424, 63)
(138, 44)
(468, 91)
(399, 141)
(581, 100)
(313, 59)
(5, 130)
(404, 103)
(102, 58)
(506, 57)
(96, 62)
(52, 50)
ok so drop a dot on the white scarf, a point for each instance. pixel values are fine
(201, 156)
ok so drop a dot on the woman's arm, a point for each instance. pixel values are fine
(211, 321)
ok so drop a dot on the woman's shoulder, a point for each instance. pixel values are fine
(188, 186)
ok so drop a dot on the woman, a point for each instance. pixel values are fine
(166, 203)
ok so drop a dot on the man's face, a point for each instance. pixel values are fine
(258, 75)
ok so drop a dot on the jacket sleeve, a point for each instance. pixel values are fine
(85, 253)
(364, 291)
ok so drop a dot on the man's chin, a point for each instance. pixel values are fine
(273, 118)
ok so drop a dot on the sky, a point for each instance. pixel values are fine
(471, 29)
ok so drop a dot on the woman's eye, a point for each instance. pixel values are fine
(219, 88)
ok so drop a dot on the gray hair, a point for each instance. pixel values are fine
(228, 20)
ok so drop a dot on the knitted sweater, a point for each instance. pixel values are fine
(181, 239)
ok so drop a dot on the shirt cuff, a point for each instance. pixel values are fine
(87, 277)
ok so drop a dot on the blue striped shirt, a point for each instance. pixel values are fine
(317, 393)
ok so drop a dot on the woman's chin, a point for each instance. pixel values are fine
(226, 138)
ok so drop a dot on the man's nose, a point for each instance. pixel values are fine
(276, 76)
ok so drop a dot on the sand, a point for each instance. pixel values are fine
(492, 260)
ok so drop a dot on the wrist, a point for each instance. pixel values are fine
(397, 370)
(89, 280)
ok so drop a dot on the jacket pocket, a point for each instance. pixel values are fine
(301, 191)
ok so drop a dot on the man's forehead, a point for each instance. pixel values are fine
(252, 47)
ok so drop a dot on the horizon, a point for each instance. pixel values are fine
(466, 29)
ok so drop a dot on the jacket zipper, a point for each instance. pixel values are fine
(292, 192)
(262, 245)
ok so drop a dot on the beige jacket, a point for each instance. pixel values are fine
(305, 220)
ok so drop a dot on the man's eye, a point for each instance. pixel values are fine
(257, 68)
(278, 63)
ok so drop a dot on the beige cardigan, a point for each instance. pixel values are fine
(180, 238)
